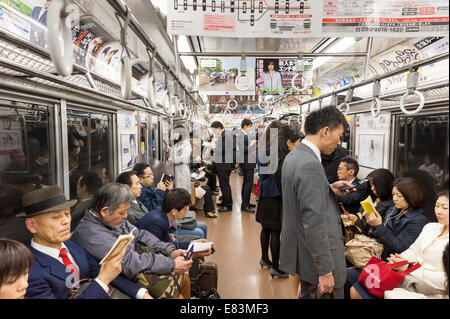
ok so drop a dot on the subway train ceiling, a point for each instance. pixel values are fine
(151, 16)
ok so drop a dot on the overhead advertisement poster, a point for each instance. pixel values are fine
(313, 18)
(218, 76)
(274, 76)
(245, 19)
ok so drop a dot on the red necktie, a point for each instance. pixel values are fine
(66, 260)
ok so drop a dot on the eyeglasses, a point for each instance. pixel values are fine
(148, 176)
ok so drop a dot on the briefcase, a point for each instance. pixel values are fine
(207, 276)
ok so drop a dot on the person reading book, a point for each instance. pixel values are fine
(175, 205)
(59, 262)
(381, 183)
(401, 225)
(145, 255)
(150, 196)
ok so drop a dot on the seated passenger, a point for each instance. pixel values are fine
(174, 207)
(402, 223)
(430, 280)
(87, 185)
(59, 261)
(150, 196)
(16, 172)
(15, 263)
(428, 183)
(106, 220)
(381, 181)
(347, 171)
(39, 167)
(137, 210)
(12, 227)
(431, 168)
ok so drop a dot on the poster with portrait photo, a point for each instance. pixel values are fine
(128, 150)
(26, 19)
(371, 150)
(9, 141)
(274, 76)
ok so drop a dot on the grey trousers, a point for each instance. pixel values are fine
(309, 291)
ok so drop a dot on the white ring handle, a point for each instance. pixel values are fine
(60, 42)
(151, 91)
(422, 103)
(166, 101)
(376, 101)
(229, 103)
(245, 87)
(302, 88)
(347, 108)
(227, 112)
(180, 108)
(248, 112)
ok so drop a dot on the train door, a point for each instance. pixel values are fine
(154, 137)
(89, 141)
(165, 138)
(27, 146)
(421, 141)
(143, 137)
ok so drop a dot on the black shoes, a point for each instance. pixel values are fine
(251, 205)
(247, 209)
(210, 214)
(278, 273)
(263, 264)
(224, 209)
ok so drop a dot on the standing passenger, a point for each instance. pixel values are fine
(312, 243)
(180, 156)
(224, 163)
(246, 162)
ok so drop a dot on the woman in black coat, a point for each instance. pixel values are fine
(269, 211)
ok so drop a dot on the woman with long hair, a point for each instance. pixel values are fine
(269, 212)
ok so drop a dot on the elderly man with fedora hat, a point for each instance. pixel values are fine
(60, 264)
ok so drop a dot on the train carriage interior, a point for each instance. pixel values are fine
(100, 86)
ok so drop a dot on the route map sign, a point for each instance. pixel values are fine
(308, 18)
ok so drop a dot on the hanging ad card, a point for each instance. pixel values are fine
(274, 76)
(217, 76)
(318, 18)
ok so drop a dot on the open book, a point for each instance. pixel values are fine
(121, 242)
(200, 246)
(368, 206)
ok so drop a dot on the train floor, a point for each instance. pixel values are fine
(236, 241)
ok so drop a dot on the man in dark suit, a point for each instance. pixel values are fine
(60, 263)
(347, 171)
(224, 158)
(246, 157)
(312, 242)
(39, 14)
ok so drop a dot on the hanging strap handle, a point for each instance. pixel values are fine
(123, 30)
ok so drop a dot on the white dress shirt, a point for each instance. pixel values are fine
(314, 149)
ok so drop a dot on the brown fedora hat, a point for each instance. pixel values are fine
(44, 200)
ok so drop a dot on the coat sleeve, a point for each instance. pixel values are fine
(123, 284)
(312, 199)
(403, 240)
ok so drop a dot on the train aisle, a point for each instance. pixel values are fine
(236, 241)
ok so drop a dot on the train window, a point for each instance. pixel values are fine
(27, 154)
(88, 144)
(422, 142)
